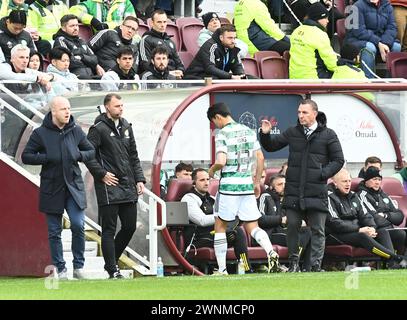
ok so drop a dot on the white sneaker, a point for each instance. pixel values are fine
(78, 274)
(63, 275)
(218, 273)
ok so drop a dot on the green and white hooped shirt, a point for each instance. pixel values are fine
(239, 142)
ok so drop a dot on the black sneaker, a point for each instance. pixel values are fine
(116, 275)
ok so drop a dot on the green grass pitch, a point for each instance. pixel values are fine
(386, 284)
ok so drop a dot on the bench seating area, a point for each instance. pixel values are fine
(205, 258)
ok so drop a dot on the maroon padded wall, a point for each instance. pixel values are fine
(24, 249)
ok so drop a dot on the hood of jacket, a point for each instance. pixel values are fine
(47, 122)
(321, 120)
(53, 69)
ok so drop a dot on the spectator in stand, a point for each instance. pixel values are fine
(374, 33)
(9, 5)
(183, 171)
(384, 209)
(201, 214)
(348, 67)
(212, 23)
(106, 44)
(256, 28)
(58, 145)
(218, 58)
(101, 14)
(158, 37)
(274, 220)
(350, 223)
(123, 70)
(158, 69)
(311, 53)
(44, 18)
(400, 16)
(315, 156)
(17, 69)
(372, 161)
(36, 61)
(12, 33)
(65, 80)
(84, 63)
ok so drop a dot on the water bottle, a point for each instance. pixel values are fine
(160, 268)
(240, 267)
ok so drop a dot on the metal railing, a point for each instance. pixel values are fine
(147, 266)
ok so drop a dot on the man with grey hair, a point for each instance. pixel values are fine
(315, 156)
(17, 69)
(58, 145)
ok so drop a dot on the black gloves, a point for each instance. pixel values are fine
(95, 23)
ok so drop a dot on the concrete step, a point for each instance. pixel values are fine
(91, 263)
(96, 274)
(68, 255)
(89, 246)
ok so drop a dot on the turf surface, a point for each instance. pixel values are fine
(384, 284)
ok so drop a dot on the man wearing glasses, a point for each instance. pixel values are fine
(106, 44)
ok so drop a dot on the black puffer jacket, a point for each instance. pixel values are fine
(107, 43)
(83, 60)
(152, 39)
(58, 151)
(310, 163)
(346, 213)
(210, 61)
(271, 210)
(116, 152)
(379, 202)
(9, 40)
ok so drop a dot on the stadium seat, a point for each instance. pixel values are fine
(213, 187)
(355, 183)
(142, 28)
(269, 173)
(251, 67)
(398, 67)
(173, 31)
(273, 68)
(85, 32)
(186, 58)
(340, 30)
(259, 55)
(396, 191)
(391, 56)
(182, 21)
(177, 188)
(189, 34)
(340, 5)
(224, 20)
(286, 56)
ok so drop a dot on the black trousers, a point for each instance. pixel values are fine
(304, 237)
(362, 240)
(316, 222)
(235, 238)
(113, 247)
(398, 238)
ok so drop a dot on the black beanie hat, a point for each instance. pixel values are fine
(372, 172)
(317, 11)
(207, 17)
(349, 51)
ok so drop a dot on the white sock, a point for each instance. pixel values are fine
(220, 245)
(262, 239)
